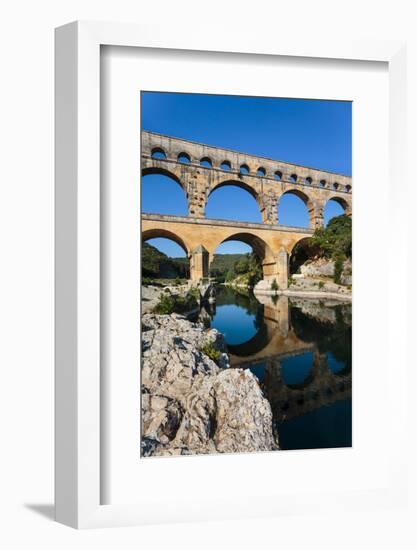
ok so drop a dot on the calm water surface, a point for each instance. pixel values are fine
(300, 350)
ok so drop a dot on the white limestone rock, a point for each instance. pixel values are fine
(191, 405)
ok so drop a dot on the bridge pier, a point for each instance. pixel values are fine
(199, 264)
(318, 219)
(282, 269)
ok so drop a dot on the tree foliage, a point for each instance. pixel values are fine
(335, 239)
(156, 264)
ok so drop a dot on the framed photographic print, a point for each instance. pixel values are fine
(246, 275)
(217, 335)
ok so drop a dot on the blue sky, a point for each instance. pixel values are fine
(307, 132)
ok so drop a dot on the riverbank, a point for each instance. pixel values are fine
(192, 403)
(308, 288)
(316, 294)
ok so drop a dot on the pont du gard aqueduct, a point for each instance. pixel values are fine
(200, 169)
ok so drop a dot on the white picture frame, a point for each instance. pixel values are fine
(78, 266)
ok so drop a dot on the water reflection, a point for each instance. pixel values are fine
(300, 350)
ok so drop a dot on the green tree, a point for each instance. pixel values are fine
(230, 276)
(242, 266)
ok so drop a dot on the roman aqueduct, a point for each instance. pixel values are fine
(201, 169)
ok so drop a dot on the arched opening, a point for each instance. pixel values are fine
(348, 188)
(233, 200)
(206, 162)
(335, 186)
(336, 366)
(295, 209)
(158, 153)
(293, 178)
(297, 370)
(261, 172)
(309, 180)
(164, 258)
(184, 158)
(301, 253)
(237, 261)
(244, 169)
(240, 256)
(226, 166)
(333, 208)
(162, 193)
(322, 183)
(277, 175)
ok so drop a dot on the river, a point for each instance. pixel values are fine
(301, 352)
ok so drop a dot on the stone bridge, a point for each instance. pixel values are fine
(200, 237)
(201, 169)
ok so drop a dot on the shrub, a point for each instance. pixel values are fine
(274, 285)
(291, 281)
(194, 293)
(211, 352)
(177, 281)
(166, 304)
(321, 284)
(169, 303)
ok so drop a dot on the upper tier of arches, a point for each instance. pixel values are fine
(250, 166)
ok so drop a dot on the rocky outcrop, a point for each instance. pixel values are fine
(192, 404)
(318, 268)
(306, 288)
(151, 294)
(324, 268)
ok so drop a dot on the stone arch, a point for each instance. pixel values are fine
(241, 184)
(182, 197)
(158, 153)
(225, 165)
(237, 183)
(163, 233)
(183, 158)
(260, 247)
(345, 204)
(306, 200)
(206, 162)
(300, 252)
(163, 172)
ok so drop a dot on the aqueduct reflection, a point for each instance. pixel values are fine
(289, 328)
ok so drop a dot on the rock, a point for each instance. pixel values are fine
(318, 268)
(243, 415)
(264, 287)
(190, 405)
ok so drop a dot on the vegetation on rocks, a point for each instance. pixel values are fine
(175, 303)
(209, 350)
(332, 243)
